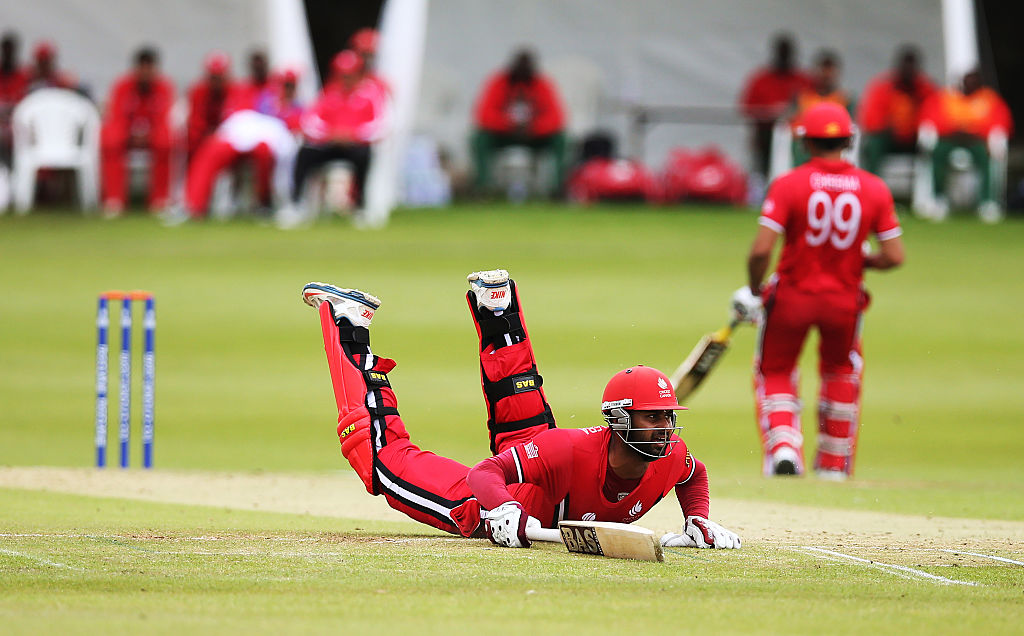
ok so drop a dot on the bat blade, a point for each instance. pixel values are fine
(701, 361)
(603, 538)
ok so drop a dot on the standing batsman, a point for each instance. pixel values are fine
(825, 210)
(539, 474)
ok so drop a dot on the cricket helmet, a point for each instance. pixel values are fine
(826, 120)
(639, 388)
(347, 62)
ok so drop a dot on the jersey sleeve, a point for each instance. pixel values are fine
(545, 461)
(774, 212)
(887, 225)
(692, 489)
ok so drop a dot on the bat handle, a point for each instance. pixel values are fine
(551, 535)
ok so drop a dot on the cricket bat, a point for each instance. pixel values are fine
(701, 361)
(602, 538)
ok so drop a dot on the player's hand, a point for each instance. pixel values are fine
(506, 525)
(708, 534)
(746, 307)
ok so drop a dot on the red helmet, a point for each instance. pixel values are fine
(640, 388)
(826, 120)
(217, 62)
(347, 63)
(364, 41)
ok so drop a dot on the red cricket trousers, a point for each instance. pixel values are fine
(790, 314)
(114, 149)
(212, 157)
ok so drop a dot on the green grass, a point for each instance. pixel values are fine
(242, 384)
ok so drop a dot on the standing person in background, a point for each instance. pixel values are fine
(973, 117)
(824, 210)
(137, 117)
(766, 95)
(13, 86)
(824, 88)
(208, 100)
(44, 73)
(518, 106)
(890, 113)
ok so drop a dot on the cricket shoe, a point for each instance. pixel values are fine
(491, 289)
(785, 461)
(355, 306)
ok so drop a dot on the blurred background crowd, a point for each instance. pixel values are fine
(284, 108)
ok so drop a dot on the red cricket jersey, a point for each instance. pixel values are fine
(502, 105)
(826, 209)
(563, 471)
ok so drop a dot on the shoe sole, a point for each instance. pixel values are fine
(312, 289)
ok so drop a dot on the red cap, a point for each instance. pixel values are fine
(364, 41)
(347, 63)
(217, 62)
(826, 120)
(289, 76)
(640, 388)
(45, 50)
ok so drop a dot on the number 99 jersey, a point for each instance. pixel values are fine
(826, 209)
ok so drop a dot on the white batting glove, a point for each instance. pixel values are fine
(746, 307)
(506, 525)
(699, 532)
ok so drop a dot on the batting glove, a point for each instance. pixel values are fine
(699, 532)
(746, 307)
(506, 525)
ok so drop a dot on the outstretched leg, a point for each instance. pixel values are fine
(517, 409)
(426, 487)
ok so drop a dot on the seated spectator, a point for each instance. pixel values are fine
(137, 118)
(766, 95)
(890, 112)
(518, 106)
(245, 134)
(973, 117)
(13, 86)
(824, 88)
(348, 116)
(44, 73)
(208, 100)
(248, 92)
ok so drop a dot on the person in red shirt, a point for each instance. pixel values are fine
(348, 116)
(766, 96)
(890, 112)
(824, 211)
(248, 92)
(44, 72)
(973, 117)
(518, 106)
(137, 117)
(13, 86)
(208, 100)
(538, 474)
(824, 88)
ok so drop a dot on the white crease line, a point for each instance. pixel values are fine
(40, 560)
(877, 566)
(984, 556)
(889, 566)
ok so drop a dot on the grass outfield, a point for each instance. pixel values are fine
(242, 389)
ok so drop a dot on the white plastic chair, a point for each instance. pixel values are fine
(55, 128)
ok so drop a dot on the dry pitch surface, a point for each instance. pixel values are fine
(872, 539)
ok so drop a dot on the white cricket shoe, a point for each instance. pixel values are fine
(491, 289)
(358, 307)
(785, 461)
(831, 475)
(990, 212)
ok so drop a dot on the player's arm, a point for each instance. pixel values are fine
(506, 519)
(760, 257)
(698, 531)
(890, 254)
